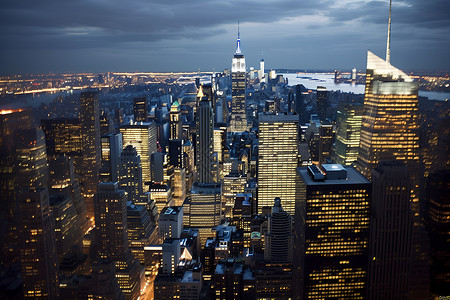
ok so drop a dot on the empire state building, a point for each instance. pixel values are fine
(238, 121)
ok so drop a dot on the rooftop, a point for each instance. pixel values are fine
(353, 177)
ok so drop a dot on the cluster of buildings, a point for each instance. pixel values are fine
(210, 197)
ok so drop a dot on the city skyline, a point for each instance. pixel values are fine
(48, 37)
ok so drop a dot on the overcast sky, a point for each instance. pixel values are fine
(188, 35)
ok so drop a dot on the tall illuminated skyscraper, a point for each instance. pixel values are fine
(38, 257)
(238, 121)
(90, 130)
(389, 128)
(112, 237)
(205, 140)
(331, 233)
(346, 147)
(176, 123)
(278, 160)
(130, 173)
(142, 136)
(111, 144)
(203, 209)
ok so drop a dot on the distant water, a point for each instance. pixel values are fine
(312, 81)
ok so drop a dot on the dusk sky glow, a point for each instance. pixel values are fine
(162, 36)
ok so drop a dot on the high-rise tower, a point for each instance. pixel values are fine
(331, 233)
(205, 139)
(140, 109)
(142, 136)
(90, 130)
(389, 128)
(238, 121)
(176, 125)
(278, 160)
(346, 147)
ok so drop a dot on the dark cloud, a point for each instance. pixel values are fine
(102, 35)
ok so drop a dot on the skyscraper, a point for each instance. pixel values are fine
(279, 240)
(322, 102)
(390, 232)
(436, 211)
(331, 233)
(389, 128)
(205, 139)
(142, 136)
(112, 237)
(346, 147)
(90, 130)
(38, 255)
(111, 144)
(203, 209)
(130, 173)
(278, 160)
(140, 109)
(238, 122)
(176, 123)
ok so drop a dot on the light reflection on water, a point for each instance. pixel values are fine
(312, 81)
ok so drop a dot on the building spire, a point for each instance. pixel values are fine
(238, 44)
(388, 45)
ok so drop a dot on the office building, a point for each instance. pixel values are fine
(142, 136)
(238, 122)
(63, 137)
(38, 257)
(90, 131)
(141, 230)
(111, 144)
(178, 185)
(331, 233)
(130, 174)
(348, 133)
(171, 222)
(106, 123)
(112, 236)
(233, 184)
(389, 128)
(278, 160)
(436, 211)
(176, 122)
(203, 209)
(279, 240)
(322, 102)
(206, 171)
(390, 232)
(176, 153)
(140, 109)
(233, 280)
(31, 158)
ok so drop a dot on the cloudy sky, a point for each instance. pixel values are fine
(188, 35)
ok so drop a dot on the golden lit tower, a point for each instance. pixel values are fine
(238, 121)
(90, 130)
(278, 160)
(331, 233)
(389, 128)
(142, 136)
